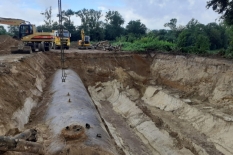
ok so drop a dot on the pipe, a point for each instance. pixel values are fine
(19, 145)
(74, 122)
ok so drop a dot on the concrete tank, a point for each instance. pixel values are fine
(75, 125)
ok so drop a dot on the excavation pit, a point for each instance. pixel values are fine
(147, 104)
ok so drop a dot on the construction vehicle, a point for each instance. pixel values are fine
(57, 39)
(31, 39)
(85, 42)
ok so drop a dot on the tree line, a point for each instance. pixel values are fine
(91, 22)
(109, 29)
(194, 37)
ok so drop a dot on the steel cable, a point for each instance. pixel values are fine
(61, 42)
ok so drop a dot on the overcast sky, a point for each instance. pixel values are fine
(153, 13)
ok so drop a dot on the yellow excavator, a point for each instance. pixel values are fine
(85, 42)
(31, 39)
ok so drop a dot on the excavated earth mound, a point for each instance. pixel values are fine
(150, 104)
(6, 42)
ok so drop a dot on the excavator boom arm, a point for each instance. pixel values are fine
(82, 35)
(11, 21)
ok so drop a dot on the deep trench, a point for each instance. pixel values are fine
(148, 103)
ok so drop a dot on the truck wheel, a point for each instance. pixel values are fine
(55, 47)
(33, 47)
(47, 48)
(41, 47)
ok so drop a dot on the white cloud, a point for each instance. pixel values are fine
(15, 9)
(47, 3)
(191, 2)
(28, 10)
(102, 8)
(153, 13)
(76, 20)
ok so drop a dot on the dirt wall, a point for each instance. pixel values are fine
(21, 85)
(205, 80)
(149, 103)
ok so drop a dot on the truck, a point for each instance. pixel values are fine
(57, 39)
(31, 39)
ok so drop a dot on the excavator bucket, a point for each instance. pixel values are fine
(23, 50)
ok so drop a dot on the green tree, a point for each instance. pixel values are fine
(225, 36)
(194, 38)
(114, 18)
(183, 39)
(214, 33)
(90, 18)
(2, 30)
(136, 27)
(202, 42)
(173, 34)
(160, 34)
(91, 23)
(48, 19)
(224, 7)
(229, 32)
(218, 34)
(75, 35)
(171, 24)
(97, 33)
(64, 17)
(55, 25)
(13, 31)
(192, 24)
(113, 26)
(68, 13)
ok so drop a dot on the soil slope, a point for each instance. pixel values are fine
(149, 103)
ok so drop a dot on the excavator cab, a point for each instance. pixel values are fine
(85, 42)
(87, 39)
(25, 30)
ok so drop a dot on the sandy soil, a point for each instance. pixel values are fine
(5, 43)
(149, 103)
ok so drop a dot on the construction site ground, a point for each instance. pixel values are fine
(150, 104)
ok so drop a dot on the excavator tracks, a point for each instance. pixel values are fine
(24, 50)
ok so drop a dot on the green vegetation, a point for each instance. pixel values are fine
(223, 7)
(146, 43)
(2, 30)
(194, 37)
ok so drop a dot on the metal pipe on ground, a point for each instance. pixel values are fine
(75, 125)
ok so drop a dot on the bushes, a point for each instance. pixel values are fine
(193, 50)
(199, 45)
(147, 44)
(227, 53)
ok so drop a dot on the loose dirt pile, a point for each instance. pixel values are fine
(149, 103)
(6, 42)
